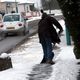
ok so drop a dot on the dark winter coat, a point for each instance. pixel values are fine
(46, 29)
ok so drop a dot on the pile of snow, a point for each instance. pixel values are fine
(55, 12)
(4, 55)
(33, 18)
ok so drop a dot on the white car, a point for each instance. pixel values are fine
(14, 23)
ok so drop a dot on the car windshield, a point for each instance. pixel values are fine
(11, 18)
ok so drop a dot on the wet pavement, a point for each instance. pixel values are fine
(41, 72)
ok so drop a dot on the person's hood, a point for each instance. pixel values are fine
(44, 15)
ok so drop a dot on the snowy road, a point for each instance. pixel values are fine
(10, 42)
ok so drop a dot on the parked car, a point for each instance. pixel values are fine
(14, 23)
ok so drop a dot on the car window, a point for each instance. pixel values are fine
(11, 18)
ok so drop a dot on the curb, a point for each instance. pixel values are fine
(21, 42)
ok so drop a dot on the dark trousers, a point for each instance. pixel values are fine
(47, 49)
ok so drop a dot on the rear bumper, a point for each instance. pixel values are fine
(12, 31)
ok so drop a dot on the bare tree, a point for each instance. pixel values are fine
(49, 4)
(71, 12)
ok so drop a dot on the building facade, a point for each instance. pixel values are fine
(25, 7)
(8, 7)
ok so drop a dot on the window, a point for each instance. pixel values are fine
(11, 18)
(27, 8)
(8, 4)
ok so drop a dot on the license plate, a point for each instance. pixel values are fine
(10, 28)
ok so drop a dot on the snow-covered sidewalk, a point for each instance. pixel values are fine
(26, 63)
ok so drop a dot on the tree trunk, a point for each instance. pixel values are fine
(71, 12)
